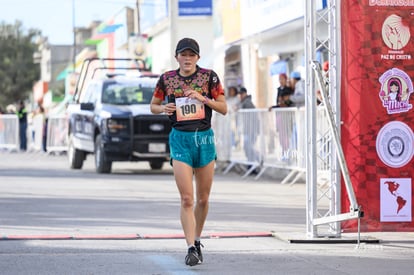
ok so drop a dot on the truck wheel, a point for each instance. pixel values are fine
(156, 165)
(75, 156)
(101, 164)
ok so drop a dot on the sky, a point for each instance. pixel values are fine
(55, 17)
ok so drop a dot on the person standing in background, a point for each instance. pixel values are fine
(251, 127)
(233, 100)
(245, 99)
(193, 93)
(298, 86)
(42, 113)
(283, 127)
(298, 99)
(283, 93)
(233, 104)
(325, 74)
(22, 115)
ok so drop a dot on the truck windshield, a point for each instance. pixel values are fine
(126, 93)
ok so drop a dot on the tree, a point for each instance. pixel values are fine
(18, 72)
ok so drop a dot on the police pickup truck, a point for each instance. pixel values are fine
(110, 116)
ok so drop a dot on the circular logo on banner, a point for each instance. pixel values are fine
(395, 144)
(395, 32)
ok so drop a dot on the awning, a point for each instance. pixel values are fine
(278, 67)
(103, 32)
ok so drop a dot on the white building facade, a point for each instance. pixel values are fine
(247, 42)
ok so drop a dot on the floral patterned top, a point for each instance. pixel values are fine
(204, 81)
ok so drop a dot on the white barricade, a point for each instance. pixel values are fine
(257, 138)
(245, 138)
(36, 131)
(284, 142)
(223, 135)
(9, 132)
(57, 130)
(262, 139)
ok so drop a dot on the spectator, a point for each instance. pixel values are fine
(325, 68)
(298, 86)
(44, 128)
(284, 100)
(245, 99)
(233, 104)
(22, 115)
(284, 119)
(233, 101)
(284, 86)
(251, 127)
(298, 99)
(283, 93)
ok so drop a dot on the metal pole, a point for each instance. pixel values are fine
(138, 19)
(310, 121)
(334, 92)
(74, 36)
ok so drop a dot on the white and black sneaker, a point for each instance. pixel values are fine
(198, 246)
(192, 257)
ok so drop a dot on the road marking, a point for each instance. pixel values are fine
(171, 265)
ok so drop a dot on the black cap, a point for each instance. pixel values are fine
(187, 44)
(243, 90)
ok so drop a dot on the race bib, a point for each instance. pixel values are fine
(189, 109)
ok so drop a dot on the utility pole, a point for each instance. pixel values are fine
(74, 36)
(138, 20)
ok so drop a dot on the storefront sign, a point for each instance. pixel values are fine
(195, 7)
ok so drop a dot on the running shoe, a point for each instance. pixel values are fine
(198, 246)
(192, 258)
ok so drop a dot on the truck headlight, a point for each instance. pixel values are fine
(115, 126)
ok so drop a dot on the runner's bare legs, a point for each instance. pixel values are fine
(204, 179)
(193, 218)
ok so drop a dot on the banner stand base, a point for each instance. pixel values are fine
(333, 241)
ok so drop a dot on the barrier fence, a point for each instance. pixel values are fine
(57, 132)
(9, 132)
(252, 139)
(36, 132)
(258, 139)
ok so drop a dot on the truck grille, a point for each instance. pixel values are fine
(152, 125)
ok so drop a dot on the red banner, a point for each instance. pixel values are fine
(377, 111)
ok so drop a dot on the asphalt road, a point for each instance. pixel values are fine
(54, 220)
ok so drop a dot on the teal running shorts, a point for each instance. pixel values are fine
(197, 149)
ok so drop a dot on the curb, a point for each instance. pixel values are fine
(131, 236)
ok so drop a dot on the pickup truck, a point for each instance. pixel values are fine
(110, 117)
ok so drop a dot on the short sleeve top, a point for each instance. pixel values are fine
(204, 81)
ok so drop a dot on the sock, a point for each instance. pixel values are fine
(197, 239)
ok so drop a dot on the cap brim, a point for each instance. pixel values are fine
(187, 48)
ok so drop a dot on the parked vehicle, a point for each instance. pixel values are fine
(110, 116)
